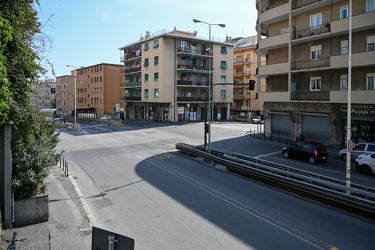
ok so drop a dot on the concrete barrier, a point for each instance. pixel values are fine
(31, 210)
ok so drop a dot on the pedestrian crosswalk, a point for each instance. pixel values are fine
(95, 126)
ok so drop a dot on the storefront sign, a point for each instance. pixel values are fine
(360, 109)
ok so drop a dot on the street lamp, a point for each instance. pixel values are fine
(210, 113)
(116, 104)
(75, 92)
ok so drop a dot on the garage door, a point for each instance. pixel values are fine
(316, 128)
(281, 125)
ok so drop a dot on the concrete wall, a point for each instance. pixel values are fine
(31, 211)
(5, 174)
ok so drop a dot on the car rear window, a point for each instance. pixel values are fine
(371, 148)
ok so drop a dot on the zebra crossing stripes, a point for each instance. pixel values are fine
(94, 126)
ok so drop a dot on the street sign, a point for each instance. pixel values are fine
(104, 240)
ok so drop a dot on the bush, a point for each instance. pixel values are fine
(33, 151)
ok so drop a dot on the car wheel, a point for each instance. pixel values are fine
(312, 160)
(343, 157)
(286, 154)
(366, 169)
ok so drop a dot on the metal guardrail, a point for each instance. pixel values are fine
(357, 198)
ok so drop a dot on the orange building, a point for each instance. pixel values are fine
(245, 101)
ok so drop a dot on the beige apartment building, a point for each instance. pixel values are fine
(245, 101)
(98, 90)
(167, 77)
(65, 94)
(306, 45)
(43, 95)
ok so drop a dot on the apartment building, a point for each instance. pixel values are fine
(65, 94)
(167, 77)
(306, 45)
(245, 102)
(97, 92)
(42, 95)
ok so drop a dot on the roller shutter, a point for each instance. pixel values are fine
(281, 125)
(316, 128)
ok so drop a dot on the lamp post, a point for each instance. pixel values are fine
(116, 104)
(75, 92)
(210, 113)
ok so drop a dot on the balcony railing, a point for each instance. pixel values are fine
(132, 98)
(310, 63)
(133, 55)
(307, 32)
(192, 67)
(309, 95)
(189, 99)
(192, 83)
(193, 51)
(132, 84)
(133, 70)
(296, 4)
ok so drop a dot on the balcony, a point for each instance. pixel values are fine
(192, 68)
(300, 95)
(274, 69)
(308, 32)
(132, 56)
(310, 64)
(136, 70)
(360, 59)
(274, 96)
(274, 42)
(203, 83)
(132, 98)
(192, 51)
(357, 96)
(129, 84)
(189, 99)
(276, 14)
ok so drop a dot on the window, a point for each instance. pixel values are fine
(223, 64)
(146, 93)
(315, 84)
(344, 12)
(370, 43)
(156, 92)
(223, 79)
(223, 49)
(316, 52)
(344, 47)
(145, 47)
(146, 62)
(156, 60)
(156, 76)
(223, 94)
(370, 81)
(316, 21)
(146, 77)
(370, 5)
(156, 44)
(343, 82)
(183, 45)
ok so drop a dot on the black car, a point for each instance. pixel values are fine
(312, 151)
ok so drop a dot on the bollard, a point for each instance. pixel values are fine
(60, 162)
(66, 169)
(63, 163)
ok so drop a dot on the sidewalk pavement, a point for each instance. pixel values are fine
(68, 226)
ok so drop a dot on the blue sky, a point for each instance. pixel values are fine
(87, 32)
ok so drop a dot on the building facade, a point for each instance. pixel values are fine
(65, 94)
(167, 77)
(245, 102)
(97, 92)
(306, 45)
(43, 95)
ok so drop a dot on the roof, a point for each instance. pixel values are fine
(245, 42)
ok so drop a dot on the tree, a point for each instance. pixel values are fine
(33, 138)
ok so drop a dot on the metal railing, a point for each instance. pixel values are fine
(357, 198)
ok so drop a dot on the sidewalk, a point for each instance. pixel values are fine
(68, 226)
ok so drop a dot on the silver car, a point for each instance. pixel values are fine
(359, 148)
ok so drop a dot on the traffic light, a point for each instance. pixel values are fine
(251, 84)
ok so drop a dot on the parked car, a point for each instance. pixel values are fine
(307, 150)
(365, 163)
(359, 148)
(105, 117)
